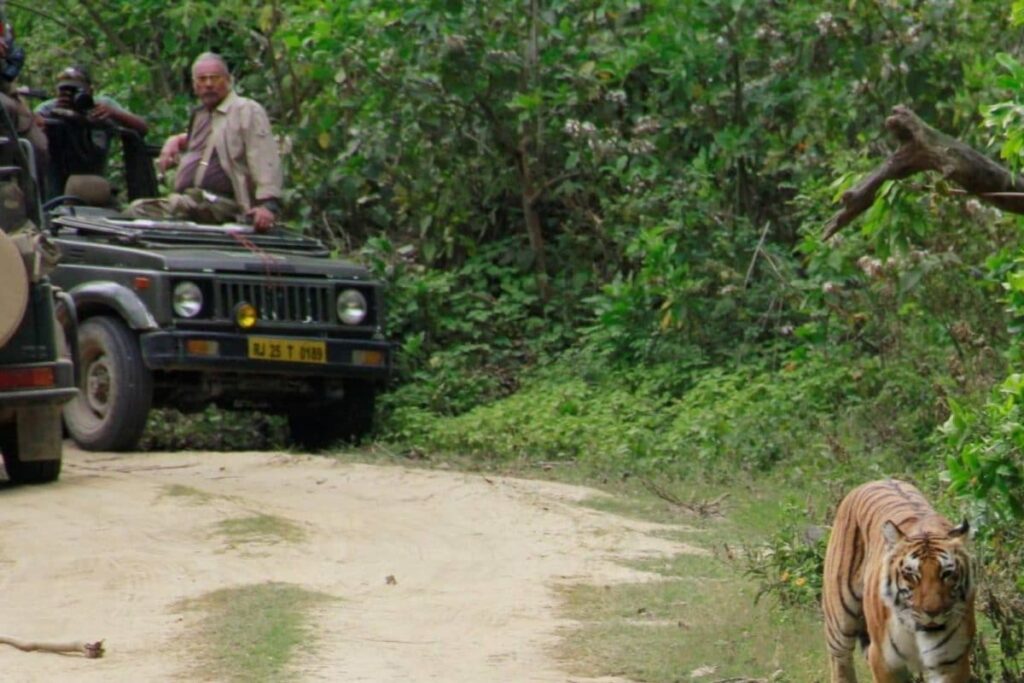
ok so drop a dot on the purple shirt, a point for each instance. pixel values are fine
(215, 179)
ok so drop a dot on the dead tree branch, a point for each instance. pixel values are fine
(703, 508)
(92, 650)
(923, 148)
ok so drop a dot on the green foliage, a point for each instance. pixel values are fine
(791, 564)
(984, 448)
(213, 430)
(813, 413)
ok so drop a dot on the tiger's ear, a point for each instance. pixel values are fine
(891, 533)
(963, 530)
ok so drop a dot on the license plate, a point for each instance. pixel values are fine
(287, 350)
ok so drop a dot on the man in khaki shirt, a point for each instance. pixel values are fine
(229, 167)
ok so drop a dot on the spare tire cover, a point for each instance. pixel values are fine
(13, 288)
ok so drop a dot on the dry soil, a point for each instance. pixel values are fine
(474, 561)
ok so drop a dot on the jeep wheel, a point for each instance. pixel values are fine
(115, 388)
(30, 472)
(318, 426)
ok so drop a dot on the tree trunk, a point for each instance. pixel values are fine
(923, 148)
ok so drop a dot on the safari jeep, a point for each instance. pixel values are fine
(36, 366)
(182, 314)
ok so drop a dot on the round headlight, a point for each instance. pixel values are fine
(188, 299)
(351, 307)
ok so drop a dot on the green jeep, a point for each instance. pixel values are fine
(183, 315)
(36, 367)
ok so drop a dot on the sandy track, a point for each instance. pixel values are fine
(107, 553)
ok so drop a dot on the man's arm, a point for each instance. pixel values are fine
(170, 153)
(264, 163)
(108, 110)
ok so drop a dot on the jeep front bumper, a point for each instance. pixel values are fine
(267, 354)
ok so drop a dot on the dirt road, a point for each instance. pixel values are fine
(109, 550)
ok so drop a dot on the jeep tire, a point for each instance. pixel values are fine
(315, 427)
(115, 388)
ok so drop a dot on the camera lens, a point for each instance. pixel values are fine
(82, 102)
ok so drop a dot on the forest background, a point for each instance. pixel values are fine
(601, 222)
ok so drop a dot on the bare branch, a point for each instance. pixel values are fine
(93, 650)
(924, 148)
(704, 508)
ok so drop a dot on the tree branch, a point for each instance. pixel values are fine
(92, 650)
(924, 148)
(105, 28)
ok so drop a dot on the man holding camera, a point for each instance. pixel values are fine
(80, 128)
(229, 167)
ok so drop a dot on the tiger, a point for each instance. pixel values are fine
(899, 578)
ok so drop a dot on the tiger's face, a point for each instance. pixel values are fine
(929, 580)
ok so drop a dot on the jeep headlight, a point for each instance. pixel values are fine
(188, 299)
(352, 307)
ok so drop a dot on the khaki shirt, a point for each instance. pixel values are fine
(247, 150)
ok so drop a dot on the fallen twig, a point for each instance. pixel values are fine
(139, 468)
(704, 508)
(89, 650)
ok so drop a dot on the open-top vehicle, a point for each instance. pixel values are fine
(182, 314)
(36, 349)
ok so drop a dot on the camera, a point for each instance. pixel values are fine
(81, 100)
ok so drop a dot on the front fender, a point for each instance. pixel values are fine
(118, 297)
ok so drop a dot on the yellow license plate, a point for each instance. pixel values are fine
(287, 350)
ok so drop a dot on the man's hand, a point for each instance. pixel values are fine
(101, 112)
(170, 153)
(262, 218)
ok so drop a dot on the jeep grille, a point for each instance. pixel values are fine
(275, 302)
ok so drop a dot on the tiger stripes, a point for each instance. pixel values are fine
(899, 579)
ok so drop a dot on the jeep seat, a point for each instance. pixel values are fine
(94, 190)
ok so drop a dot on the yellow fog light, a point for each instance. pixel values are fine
(245, 315)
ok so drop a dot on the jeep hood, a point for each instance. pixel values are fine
(246, 261)
(182, 247)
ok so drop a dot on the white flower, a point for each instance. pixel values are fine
(646, 125)
(640, 147)
(616, 96)
(826, 23)
(872, 267)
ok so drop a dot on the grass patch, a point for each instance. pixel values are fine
(251, 633)
(260, 528)
(189, 493)
(701, 618)
(660, 632)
